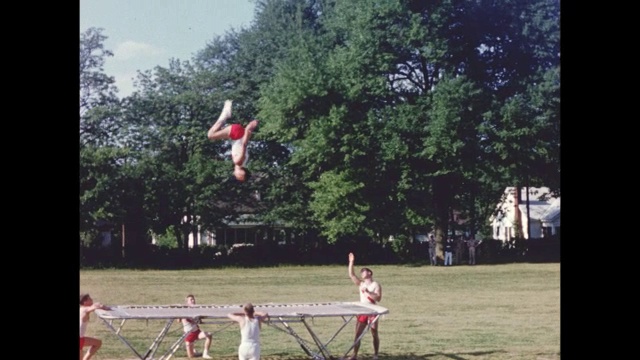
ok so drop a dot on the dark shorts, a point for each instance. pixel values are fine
(81, 342)
(193, 336)
(236, 132)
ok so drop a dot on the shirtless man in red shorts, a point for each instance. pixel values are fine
(239, 136)
(370, 292)
(87, 306)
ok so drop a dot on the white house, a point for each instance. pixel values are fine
(244, 229)
(543, 218)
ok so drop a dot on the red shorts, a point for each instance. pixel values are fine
(365, 318)
(236, 132)
(193, 336)
(81, 342)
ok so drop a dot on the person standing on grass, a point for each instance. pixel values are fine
(472, 244)
(432, 249)
(191, 328)
(250, 323)
(87, 306)
(448, 251)
(370, 292)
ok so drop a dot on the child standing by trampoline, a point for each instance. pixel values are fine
(250, 325)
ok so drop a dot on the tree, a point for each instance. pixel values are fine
(98, 114)
(376, 118)
(399, 100)
(98, 100)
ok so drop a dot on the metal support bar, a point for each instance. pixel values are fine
(300, 340)
(366, 329)
(117, 332)
(154, 346)
(340, 329)
(321, 347)
(176, 345)
(313, 344)
(323, 352)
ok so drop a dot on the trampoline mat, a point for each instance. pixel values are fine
(221, 311)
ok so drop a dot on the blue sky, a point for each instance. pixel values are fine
(143, 34)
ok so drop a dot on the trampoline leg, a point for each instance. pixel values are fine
(339, 330)
(303, 345)
(366, 329)
(322, 347)
(172, 350)
(117, 333)
(154, 346)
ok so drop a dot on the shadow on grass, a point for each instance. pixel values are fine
(434, 355)
(462, 356)
(428, 356)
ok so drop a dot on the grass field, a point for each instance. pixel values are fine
(509, 311)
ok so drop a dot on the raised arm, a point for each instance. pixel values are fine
(261, 316)
(237, 317)
(356, 280)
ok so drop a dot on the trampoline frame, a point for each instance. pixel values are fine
(280, 318)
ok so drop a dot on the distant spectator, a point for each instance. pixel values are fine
(472, 244)
(432, 249)
(448, 251)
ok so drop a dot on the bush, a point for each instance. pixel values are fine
(400, 250)
(243, 254)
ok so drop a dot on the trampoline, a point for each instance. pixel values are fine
(282, 316)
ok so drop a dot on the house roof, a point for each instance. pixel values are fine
(552, 213)
(542, 204)
(536, 209)
(249, 220)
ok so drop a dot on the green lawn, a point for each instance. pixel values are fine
(500, 312)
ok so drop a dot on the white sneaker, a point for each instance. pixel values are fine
(206, 356)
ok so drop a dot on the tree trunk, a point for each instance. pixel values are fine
(441, 200)
(528, 213)
(181, 244)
